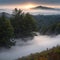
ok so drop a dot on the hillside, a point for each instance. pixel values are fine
(48, 24)
(49, 54)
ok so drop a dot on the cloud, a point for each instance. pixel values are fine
(3, 2)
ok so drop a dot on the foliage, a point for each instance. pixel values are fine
(21, 25)
(17, 26)
(48, 24)
(24, 24)
(6, 31)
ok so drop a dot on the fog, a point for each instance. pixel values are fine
(43, 12)
(35, 11)
(38, 44)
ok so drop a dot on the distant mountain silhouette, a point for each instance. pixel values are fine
(42, 7)
(6, 14)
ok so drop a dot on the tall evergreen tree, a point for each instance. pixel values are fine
(6, 31)
(24, 24)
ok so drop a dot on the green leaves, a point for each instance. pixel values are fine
(24, 24)
(20, 25)
(6, 31)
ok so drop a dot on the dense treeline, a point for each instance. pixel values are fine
(48, 24)
(49, 54)
(6, 31)
(17, 26)
(21, 25)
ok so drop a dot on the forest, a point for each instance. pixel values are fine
(48, 24)
(21, 25)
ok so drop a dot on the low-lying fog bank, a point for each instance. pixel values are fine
(38, 44)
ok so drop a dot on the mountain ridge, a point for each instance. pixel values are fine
(42, 7)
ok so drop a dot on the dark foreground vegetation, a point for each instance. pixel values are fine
(21, 25)
(49, 54)
(48, 24)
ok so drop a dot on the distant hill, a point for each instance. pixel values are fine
(42, 7)
(6, 14)
(46, 24)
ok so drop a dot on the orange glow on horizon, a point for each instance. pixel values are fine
(26, 6)
(20, 6)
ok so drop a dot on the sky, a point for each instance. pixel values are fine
(25, 3)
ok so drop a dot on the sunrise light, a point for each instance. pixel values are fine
(27, 6)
